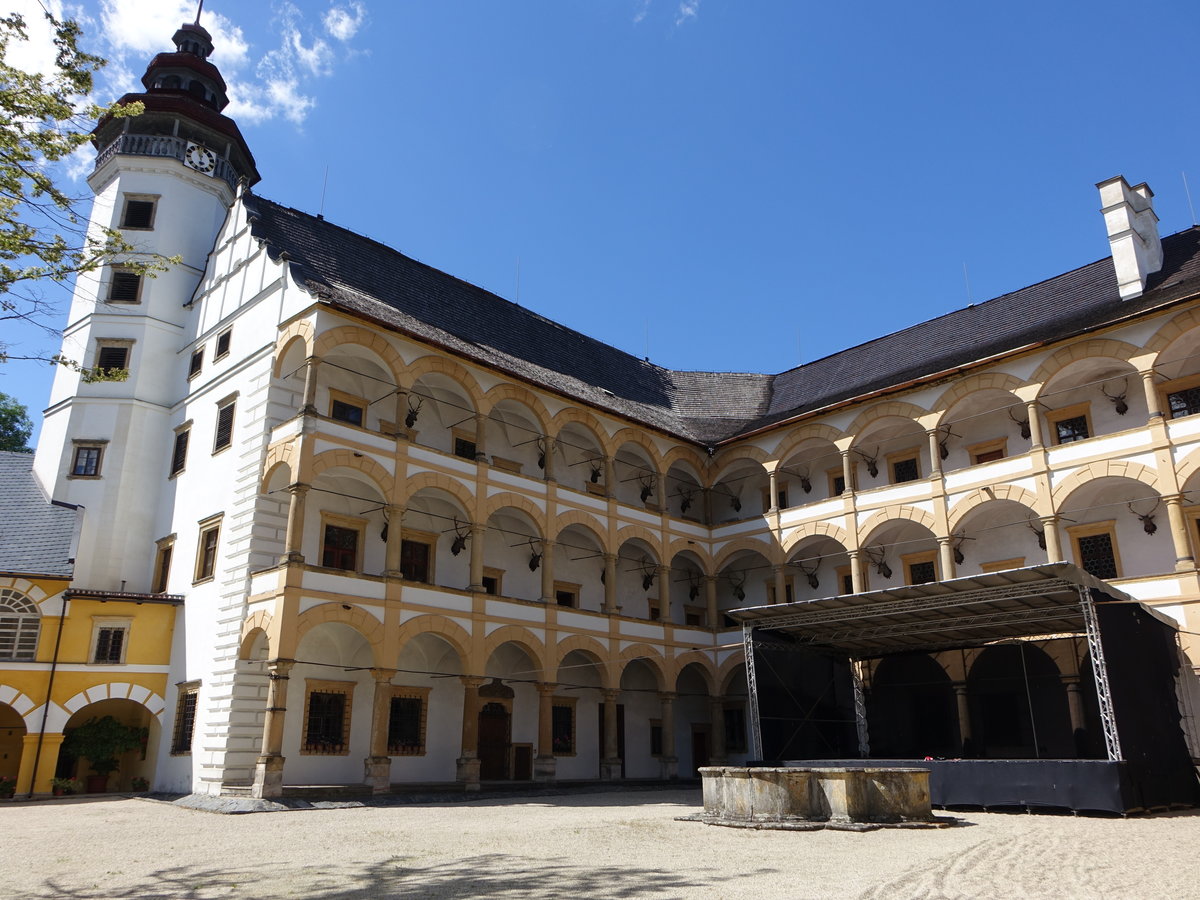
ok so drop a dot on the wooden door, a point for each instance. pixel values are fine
(495, 725)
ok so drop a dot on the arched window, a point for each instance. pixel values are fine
(20, 623)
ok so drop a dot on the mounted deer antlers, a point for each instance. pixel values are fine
(1147, 520)
(810, 574)
(879, 561)
(693, 587)
(871, 461)
(739, 586)
(413, 411)
(1119, 403)
(805, 481)
(649, 483)
(541, 449)
(460, 539)
(943, 442)
(535, 558)
(685, 499)
(960, 539)
(597, 467)
(1040, 532)
(1023, 423)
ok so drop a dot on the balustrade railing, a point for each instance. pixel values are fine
(164, 146)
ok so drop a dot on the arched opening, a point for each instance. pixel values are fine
(1117, 528)
(1018, 705)
(1177, 370)
(743, 491)
(425, 711)
(12, 740)
(442, 415)
(580, 461)
(812, 472)
(693, 719)
(688, 601)
(637, 580)
(685, 498)
(891, 450)
(911, 709)
(133, 763)
(639, 710)
(356, 388)
(579, 569)
(998, 535)
(515, 441)
(510, 545)
(736, 711)
(636, 475)
(578, 708)
(20, 625)
(900, 552)
(982, 427)
(508, 711)
(818, 566)
(435, 540)
(745, 579)
(344, 522)
(1091, 397)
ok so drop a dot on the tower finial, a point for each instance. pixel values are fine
(199, 10)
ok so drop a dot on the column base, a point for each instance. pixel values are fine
(467, 772)
(545, 768)
(610, 770)
(292, 558)
(669, 767)
(268, 777)
(377, 773)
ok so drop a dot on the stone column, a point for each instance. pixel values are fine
(780, 573)
(545, 765)
(610, 583)
(400, 411)
(935, 454)
(664, 593)
(294, 539)
(610, 765)
(710, 600)
(395, 542)
(377, 768)
(476, 548)
(964, 716)
(610, 477)
(1054, 551)
(548, 471)
(717, 717)
(311, 366)
(468, 764)
(660, 492)
(1184, 559)
(946, 557)
(481, 437)
(848, 471)
(1152, 402)
(548, 572)
(1074, 702)
(1035, 425)
(268, 770)
(773, 488)
(668, 761)
(856, 571)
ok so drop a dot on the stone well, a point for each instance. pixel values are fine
(759, 797)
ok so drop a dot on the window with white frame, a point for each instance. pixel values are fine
(20, 624)
(110, 640)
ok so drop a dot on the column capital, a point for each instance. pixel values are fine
(298, 488)
(667, 696)
(472, 681)
(610, 694)
(279, 668)
(546, 687)
(383, 676)
(478, 528)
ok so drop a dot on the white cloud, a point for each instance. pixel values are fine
(37, 53)
(643, 7)
(687, 10)
(343, 22)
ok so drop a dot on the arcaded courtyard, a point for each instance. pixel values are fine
(586, 845)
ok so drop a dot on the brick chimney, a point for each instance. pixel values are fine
(1132, 233)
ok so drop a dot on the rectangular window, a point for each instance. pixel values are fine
(493, 581)
(179, 451)
(340, 548)
(1096, 548)
(837, 482)
(656, 737)
(562, 727)
(224, 431)
(223, 340)
(185, 719)
(905, 466)
(196, 363)
(1184, 403)
(464, 446)
(138, 213)
(694, 616)
(327, 717)
(124, 286)
(162, 564)
(111, 357)
(416, 557)
(348, 409)
(652, 612)
(109, 641)
(86, 463)
(789, 590)
(988, 451)
(406, 721)
(206, 550)
(845, 580)
(1070, 424)
(566, 594)
(735, 729)
(920, 568)
(19, 629)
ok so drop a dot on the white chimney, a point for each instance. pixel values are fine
(1132, 233)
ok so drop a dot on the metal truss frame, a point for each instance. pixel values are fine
(860, 711)
(752, 691)
(1108, 720)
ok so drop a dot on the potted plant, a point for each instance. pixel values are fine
(102, 740)
(140, 784)
(8, 785)
(61, 786)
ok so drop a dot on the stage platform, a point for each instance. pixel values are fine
(1082, 785)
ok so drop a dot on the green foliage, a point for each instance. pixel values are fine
(102, 741)
(15, 426)
(44, 240)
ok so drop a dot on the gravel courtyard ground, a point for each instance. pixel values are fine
(586, 845)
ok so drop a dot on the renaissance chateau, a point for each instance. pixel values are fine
(352, 521)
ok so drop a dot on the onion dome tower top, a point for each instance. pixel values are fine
(184, 98)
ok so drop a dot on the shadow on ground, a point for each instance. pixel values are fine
(490, 875)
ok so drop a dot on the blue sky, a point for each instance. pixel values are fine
(738, 186)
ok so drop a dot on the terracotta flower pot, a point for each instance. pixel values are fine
(97, 784)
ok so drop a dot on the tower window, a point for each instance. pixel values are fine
(112, 358)
(139, 213)
(196, 363)
(86, 463)
(206, 549)
(125, 287)
(223, 436)
(179, 453)
(223, 343)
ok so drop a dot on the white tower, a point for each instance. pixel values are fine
(166, 178)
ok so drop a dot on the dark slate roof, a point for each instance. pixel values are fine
(362, 276)
(35, 534)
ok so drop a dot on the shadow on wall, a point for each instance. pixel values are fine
(489, 875)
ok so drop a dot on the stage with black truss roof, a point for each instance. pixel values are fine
(1124, 739)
